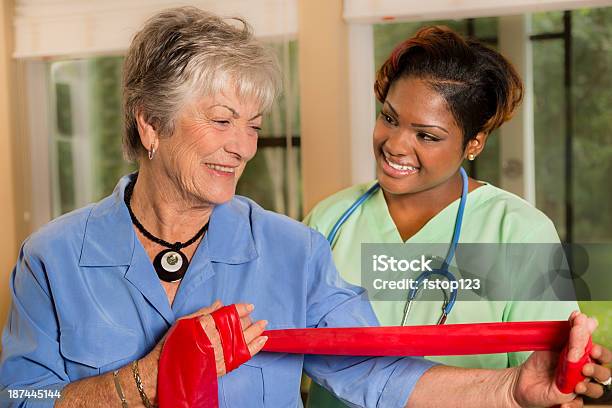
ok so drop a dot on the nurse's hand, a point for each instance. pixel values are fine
(251, 331)
(535, 379)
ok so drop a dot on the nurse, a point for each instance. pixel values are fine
(441, 97)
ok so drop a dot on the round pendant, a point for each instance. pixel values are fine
(170, 265)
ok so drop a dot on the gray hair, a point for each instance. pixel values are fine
(185, 52)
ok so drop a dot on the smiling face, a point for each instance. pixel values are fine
(213, 140)
(417, 143)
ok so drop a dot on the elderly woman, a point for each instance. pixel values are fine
(95, 291)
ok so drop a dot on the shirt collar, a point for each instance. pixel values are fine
(230, 234)
(109, 236)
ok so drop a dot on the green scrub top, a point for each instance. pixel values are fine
(491, 215)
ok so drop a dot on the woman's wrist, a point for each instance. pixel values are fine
(499, 389)
(126, 381)
(147, 369)
(509, 387)
(140, 385)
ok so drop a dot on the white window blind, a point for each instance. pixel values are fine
(65, 28)
(373, 11)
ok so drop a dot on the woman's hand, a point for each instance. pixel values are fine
(598, 371)
(534, 385)
(251, 331)
(100, 390)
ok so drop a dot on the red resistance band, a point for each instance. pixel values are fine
(235, 350)
(187, 369)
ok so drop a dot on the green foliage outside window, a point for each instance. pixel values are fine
(106, 127)
(592, 103)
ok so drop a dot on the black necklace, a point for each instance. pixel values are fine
(170, 264)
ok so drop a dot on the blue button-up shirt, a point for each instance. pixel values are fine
(86, 300)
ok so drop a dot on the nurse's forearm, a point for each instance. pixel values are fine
(442, 386)
(100, 391)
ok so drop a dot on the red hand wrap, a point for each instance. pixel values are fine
(235, 350)
(187, 372)
(569, 373)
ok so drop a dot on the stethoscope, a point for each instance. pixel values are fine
(449, 301)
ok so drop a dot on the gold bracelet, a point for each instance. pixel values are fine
(124, 403)
(143, 396)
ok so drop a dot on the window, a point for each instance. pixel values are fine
(572, 57)
(86, 132)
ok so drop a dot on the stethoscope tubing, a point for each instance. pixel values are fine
(443, 271)
(345, 216)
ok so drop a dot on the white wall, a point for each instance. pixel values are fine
(8, 244)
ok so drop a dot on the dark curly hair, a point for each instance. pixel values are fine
(481, 87)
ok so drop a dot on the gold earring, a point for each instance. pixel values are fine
(471, 157)
(152, 151)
